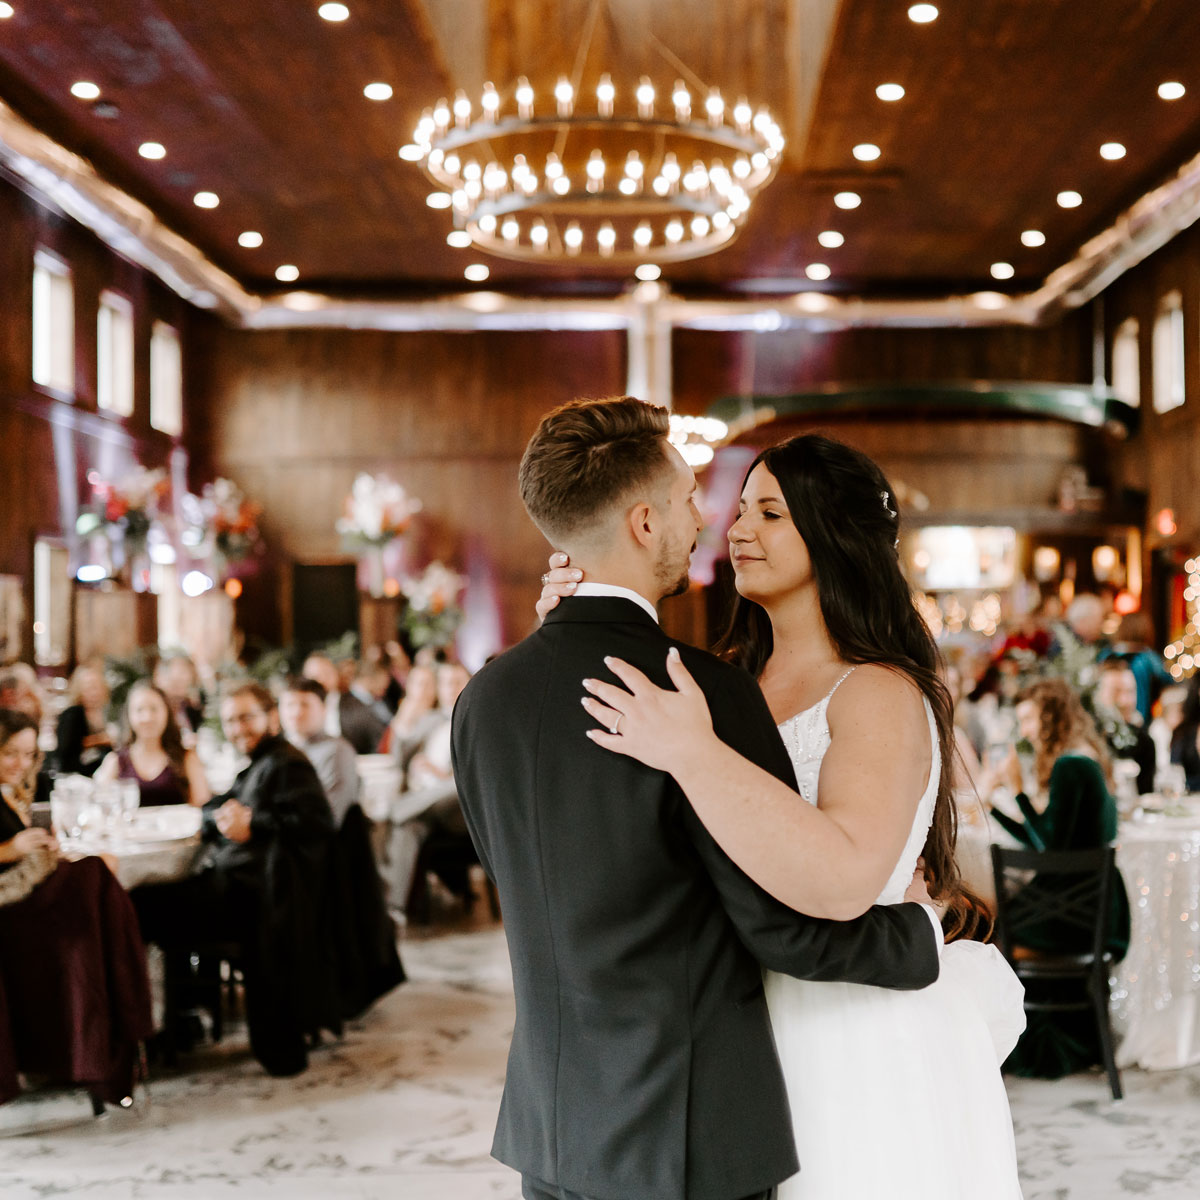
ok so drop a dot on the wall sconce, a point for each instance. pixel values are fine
(1164, 522)
(1104, 562)
(1046, 561)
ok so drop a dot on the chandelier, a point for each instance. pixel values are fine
(595, 171)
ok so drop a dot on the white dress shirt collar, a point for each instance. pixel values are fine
(611, 589)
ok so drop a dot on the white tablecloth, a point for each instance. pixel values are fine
(161, 846)
(1156, 988)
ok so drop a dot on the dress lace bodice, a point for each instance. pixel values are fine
(806, 736)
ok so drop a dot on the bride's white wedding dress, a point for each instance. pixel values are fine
(897, 1095)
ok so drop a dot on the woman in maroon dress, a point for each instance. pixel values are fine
(154, 754)
(74, 996)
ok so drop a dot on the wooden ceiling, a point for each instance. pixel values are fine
(1007, 103)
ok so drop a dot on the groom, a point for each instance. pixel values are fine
(642, 1064)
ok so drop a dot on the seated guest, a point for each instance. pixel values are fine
(1170, 715)
(302, 717)
(430, 799)
(415, 717)
(74, 996)
(1185, 741)
(1132, 644)
(154, 754)
(21, 692)
(83, 738)
(370, 685)
(176, 676)
(260, 885)
(345, 713)
(1117, 712)
(1073, 810)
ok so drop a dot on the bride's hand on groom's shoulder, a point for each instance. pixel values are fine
(557, 582)
(662, 728)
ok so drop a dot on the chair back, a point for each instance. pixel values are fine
(1067, 890)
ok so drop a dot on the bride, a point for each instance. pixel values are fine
(893, 1094)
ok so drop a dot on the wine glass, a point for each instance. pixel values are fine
(1170, 782)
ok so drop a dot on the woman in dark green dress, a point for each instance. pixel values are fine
(1077, 812)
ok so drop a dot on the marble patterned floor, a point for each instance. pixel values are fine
(403, 1107)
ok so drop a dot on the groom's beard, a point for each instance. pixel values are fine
(672, 574)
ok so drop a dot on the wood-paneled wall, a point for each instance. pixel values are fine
(293, 416)
(709, 365)
(1164, 458)
(47, 443)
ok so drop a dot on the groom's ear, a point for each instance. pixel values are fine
(642, 522)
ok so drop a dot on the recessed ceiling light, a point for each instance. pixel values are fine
(817, 271)
(333, 12)
(922, 14)
(1171, 91)
(648, 272)
(1112, 151)
(206, 199)
(477, 272)
(438, 200)
(153, 150)
(250, 239)
(1002, 270)
(287, 273)
(1069, 199)
(830, 239)
(890, 92)
(83, 90)
(866, 152)
(412, 152)
(847, 199)
(1033, 237)
(6, 11)
(460, 239)
(378, 91)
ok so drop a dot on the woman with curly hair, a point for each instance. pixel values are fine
(74, 995)
(1072, 809)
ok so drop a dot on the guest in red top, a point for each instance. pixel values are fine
(154, 754)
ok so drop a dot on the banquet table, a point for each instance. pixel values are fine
(159, 845)
(1156, 987)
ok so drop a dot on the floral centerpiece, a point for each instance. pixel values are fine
(433, 614)
(222, 526)
(378, 510)
(123, 511)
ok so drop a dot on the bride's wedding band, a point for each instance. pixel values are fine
(616, 725)
(545, 579)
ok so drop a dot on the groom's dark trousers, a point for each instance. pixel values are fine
(642, 1065)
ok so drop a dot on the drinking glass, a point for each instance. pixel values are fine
(130, 798)
(107, 800)
(1170, 781)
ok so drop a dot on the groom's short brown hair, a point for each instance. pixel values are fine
(587, 455)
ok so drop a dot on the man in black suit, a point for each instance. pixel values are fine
(346, 714)
(642, 1064)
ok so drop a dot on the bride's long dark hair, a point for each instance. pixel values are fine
(847, 513)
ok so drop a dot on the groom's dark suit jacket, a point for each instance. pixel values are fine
(642, 1064)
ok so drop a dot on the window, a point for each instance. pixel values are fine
(114, 355)
(53, 324)
(1126, 365)
(166, 380)
(1168, 353)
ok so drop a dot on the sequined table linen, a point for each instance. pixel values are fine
(1156, 989)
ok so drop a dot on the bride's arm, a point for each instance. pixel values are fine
(830, 861)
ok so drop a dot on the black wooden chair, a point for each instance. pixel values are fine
(1066, 891)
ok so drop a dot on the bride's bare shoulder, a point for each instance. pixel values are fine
(878, 693)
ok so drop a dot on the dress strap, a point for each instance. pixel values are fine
(829, 694)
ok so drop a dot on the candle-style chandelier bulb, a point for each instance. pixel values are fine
(524, 99)
(606, 94)
(645, 97)
(564, 93)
